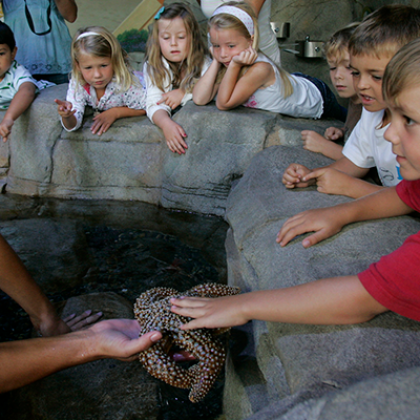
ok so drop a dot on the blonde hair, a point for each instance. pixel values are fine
(196, 53)
(402, 72)
(336, 47)
(226, 21)
(385, 31)
(99, 42)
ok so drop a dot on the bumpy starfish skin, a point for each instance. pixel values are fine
(153, 311)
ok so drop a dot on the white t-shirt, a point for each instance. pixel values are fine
(154, 94)
(268, 41)
(367, 148)
(305, 101)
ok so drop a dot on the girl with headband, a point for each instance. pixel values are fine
(101, 78)
(241, 75)
(175, 59)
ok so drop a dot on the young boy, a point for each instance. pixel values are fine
(17, 87)
(373, 44)
(392, 283)
(338, 59)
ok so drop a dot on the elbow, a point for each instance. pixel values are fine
(222, 107)
(200, 102)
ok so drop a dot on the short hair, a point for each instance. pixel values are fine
(101, 43)
(336, 46)
(402, 72)
(386, 30)
(6, 36)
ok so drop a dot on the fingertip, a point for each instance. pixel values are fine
(156, 337)
(306, 243)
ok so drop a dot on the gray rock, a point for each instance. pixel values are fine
(302, 362)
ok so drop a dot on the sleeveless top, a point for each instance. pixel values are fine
(40, 54)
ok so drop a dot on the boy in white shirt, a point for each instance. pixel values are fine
(371, 47)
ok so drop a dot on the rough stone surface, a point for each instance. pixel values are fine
(131, 161)
(105, 389)
(298, 363)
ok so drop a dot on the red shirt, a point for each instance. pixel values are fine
(394, 281)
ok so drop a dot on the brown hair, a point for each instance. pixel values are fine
(402, 72)
(101, 43)
(194, 62)
(386, 30)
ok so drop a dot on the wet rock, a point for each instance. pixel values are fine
(298, 363)
(105, 389)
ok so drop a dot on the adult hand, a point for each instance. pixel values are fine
(119, 339)
(293, 175)
(324, 222)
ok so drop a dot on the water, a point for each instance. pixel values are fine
(132, 247)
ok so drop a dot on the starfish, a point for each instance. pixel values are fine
(153, 311)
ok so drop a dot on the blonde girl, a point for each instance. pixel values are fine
(102, 79)
(240, 75)
(175, 59)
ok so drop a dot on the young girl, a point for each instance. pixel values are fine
(392, 283)
(338, 58)
(175, 59)
(100, 78)
(249, 78)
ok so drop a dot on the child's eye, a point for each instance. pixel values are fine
(333, 68)
(231, 46)
(408, 120)
(355, 73)
(215, 45)
(377, 78)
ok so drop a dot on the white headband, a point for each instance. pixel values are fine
(238, 13)
(85, 34)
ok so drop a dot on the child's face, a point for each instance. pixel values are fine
(174, 41)
(6, 59)
(342, 75)
(404, 132)
(96, 71)
(227, 43)
(368, 71)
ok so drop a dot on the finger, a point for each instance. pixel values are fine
(313, 175)
(96, 126)
(194, 324)
(103, 129)
(57, 101)
(74, 320)
(314, 238)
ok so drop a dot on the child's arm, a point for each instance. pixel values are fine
(66, 112)
(233, 92)
(173, 132)
(340, 300)
(19, 104)
(206, 88)
(318, 144)
(105, 119)
(329, 221)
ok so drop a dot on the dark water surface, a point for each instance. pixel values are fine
(134, 247)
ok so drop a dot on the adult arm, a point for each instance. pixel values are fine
(25, 361)
(339, 300)
(256, 5)
(67, 9)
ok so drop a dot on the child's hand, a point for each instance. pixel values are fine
(174, 135)
(333, 133)
(330, 181)
(6, 128)
(293, 175)
(64, 108)
(103, 121)
(209, 312)
(246, 57)
(313, 141)
(324, 222)
(172, 98)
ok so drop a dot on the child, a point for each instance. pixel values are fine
(17, 86)
(373, 44)
(175, 59)
(390, 284)
(250, 78)
(338, 58)
(100, 78)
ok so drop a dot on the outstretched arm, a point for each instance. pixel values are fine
(26, 361)
(329, 221)
(339, 300)
(67, 9)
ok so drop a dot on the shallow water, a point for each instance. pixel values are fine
(134, 247)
